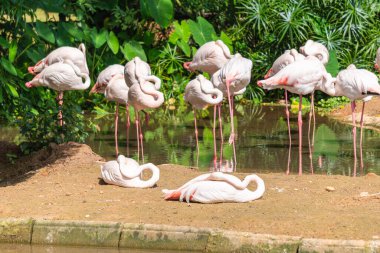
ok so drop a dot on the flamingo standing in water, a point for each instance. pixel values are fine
(301, 77)
(143, 94)
(200, 93)
(111, 83)
(126, 172)
(232, 80)
(77, 56)
(61, 76)
(217, 187)
(355, 84)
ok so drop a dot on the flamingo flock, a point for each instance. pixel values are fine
(225, 76)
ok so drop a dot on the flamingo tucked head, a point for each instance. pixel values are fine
(268, 74)
(38, 67)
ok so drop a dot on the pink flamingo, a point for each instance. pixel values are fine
(301, 77)
(111, 83)
(126, 172)
(232, 79)
(143, 94)
(217, 187)
(76, 55)
(355, 84)
(377, 60)
(61, 76)
(200, 93)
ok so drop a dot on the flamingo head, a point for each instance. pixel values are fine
(268, 74)
(98, 88)
(31, 70)
(186, 65)
(260, 83)
(38, 67)
(28, 85)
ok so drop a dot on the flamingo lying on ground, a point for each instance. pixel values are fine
(217, 187)
(232, 79)
(126, 172)
(61, 76)
(355, 84)
(301, 77)
(117, 91)
(143, 94)
(200, 93)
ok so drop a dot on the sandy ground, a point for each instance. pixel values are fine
(63, 182)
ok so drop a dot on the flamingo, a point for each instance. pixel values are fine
(61, 76)
(126, 172)
(143, 94)
(355, 84)
(117, 91)
(76, 55)
(201, 93)
(301, 77)
(232, 80)
(377, 60)
(217, 187)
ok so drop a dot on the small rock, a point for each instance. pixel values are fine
(68, 194)
(87, 216)
(330, 189)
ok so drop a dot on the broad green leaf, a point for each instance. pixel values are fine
(34, 55)
(202, 30)
(62, 36)
(333, 65)
(73, 30)
(161, 11)
(4, 43)
(224, 37)
(113, 42)
(8, 66)
(132, 49)
(44, 32)
(144, 8)
(181, 32)
(98, 38)
(12, 51)
(12, 90)
(185, 47)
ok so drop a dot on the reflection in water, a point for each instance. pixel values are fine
(262, 145)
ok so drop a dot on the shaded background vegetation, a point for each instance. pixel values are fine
(165, 33)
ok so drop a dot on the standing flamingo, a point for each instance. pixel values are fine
(117, 91)
(301, 77)
(143, 94)
(217, 187)
(355, 84)
(61, 76)
(126, 172)
(232, 79)
(201, 93)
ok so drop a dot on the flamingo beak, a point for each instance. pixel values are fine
(186, 65)
(377, 66)
(260, 83)
(31, 70)
(95, 89)
(268, 74)
(28, 84)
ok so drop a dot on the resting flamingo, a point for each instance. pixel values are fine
(126, 172)
(117, 91)
(301, 77)
(217, 187)
(143, 94)
(200, 93)
(355, 84)
(61, 76)
(232, 79)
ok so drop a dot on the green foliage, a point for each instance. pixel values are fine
(332, 103)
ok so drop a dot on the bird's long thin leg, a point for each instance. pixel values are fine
(137, 134)
(353, 106)
(214, 135)
(116, 125)
(289, 133)
(221, 134)
(232, 134)
(300, 137)
(196, 134)
(309, 132)
(313, 107)
(141, 138)
(361, 139)
(128, 126)
(60, 105)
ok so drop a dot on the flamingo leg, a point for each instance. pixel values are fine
(308, 133)
(137, 134)
(300, 137)
(196, 134)
(128, 126)
(116, 125)
(361, 139)
(214, 135)
(353, 106)
(60, 105)
(141, 138)
(290, 137)
(232, 135)
(221, 133)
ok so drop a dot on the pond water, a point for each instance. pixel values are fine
(26, 248)
(262, 141)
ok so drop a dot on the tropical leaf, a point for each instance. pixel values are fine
(73, 30)
(333, 65)
(43, 30)
(181, 32)
(132, 49)
(201, 30)
(160, 10)
(12, 90)
(4, 43)
(12, 51)
(185, 47)
(62, 36)
(113, 42)
(99, 38)
(8, 66)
